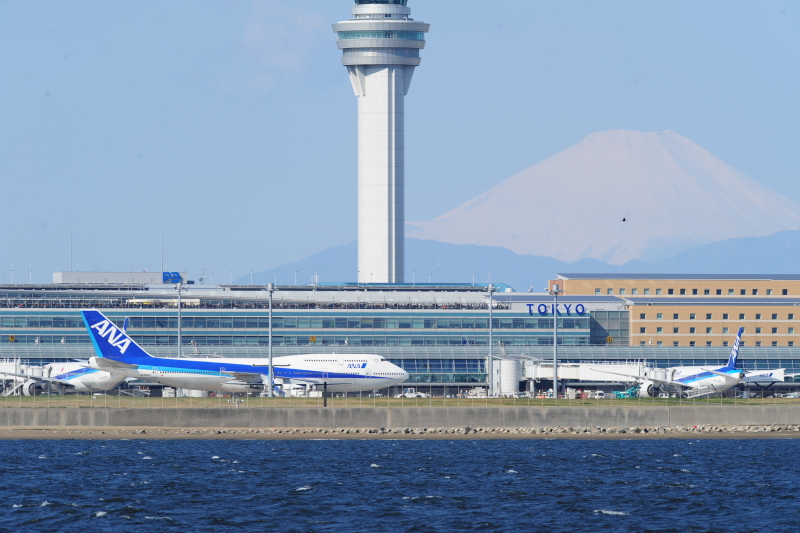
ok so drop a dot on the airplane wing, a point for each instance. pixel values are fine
(37, 378)
(645, 378)
(247, 377)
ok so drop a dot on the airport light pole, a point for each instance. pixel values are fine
(491, 342)
(271, 290)
(179, 288)
(555, 291)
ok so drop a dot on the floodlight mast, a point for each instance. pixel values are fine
(179, 287)
(555, 291)
(270, 392)
(491, 290)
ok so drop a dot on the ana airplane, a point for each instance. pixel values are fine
(59, 376)
(702, 380)
(765, 378)
(118, 353)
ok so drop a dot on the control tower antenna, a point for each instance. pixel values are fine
(380, 46)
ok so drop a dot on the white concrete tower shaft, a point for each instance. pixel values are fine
(380, 46)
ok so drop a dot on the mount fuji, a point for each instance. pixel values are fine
(672, 195)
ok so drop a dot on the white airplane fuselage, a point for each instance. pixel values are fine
(341, 373)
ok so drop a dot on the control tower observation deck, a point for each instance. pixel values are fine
(381, 45)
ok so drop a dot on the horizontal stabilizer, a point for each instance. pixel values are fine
(716, 373)
(103, 363)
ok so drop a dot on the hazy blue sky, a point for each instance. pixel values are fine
(231, 125)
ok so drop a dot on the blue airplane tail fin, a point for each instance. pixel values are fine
(108, 340)
(734, 358)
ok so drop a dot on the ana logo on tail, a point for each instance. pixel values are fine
(733, 359)
(115, 337)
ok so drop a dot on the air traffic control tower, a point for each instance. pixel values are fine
(380, 46)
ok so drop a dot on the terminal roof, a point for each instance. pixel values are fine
(710, 300)
(726, 277)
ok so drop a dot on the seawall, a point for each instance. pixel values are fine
(398, 418)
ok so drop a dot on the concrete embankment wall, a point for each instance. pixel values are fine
(409, 417)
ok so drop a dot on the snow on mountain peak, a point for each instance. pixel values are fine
(673, 194)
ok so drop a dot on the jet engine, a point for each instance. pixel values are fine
(648, 389)
(30, 388)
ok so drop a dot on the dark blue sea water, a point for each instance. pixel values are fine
(309, 486)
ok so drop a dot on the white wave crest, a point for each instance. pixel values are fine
(612, 513)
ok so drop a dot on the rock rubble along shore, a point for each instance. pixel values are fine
(774, 430)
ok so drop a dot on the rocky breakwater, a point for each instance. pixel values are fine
(566, 432)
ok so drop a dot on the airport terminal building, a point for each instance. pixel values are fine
(438, 333)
